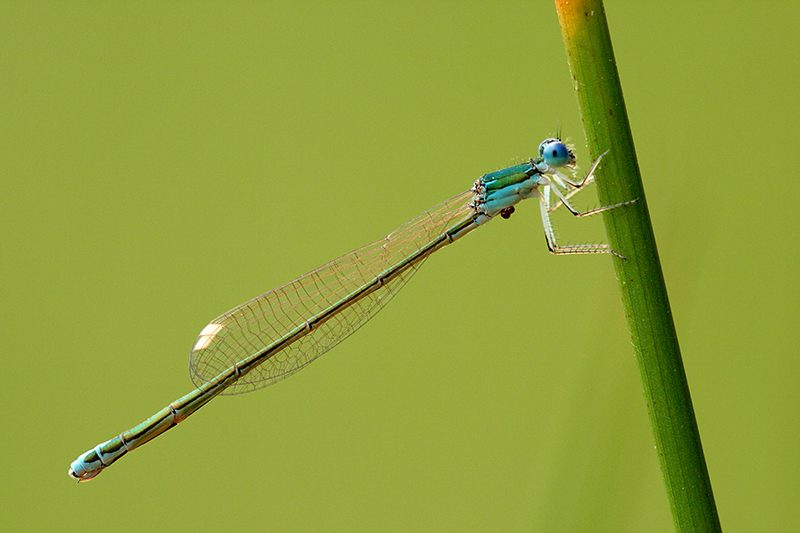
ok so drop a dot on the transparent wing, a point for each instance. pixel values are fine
(252, 326)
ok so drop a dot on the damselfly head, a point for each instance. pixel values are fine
(556, 154)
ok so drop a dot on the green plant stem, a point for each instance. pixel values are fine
(641, 282)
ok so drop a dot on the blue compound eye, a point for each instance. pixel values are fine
(554, 152)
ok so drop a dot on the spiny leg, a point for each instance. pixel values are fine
(550, 236)
(586, 180)
(572, 188)
(572, 191)
(577, 213)
(564, 200)
(575, 188)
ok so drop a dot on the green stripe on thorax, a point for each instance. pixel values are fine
(500, 179)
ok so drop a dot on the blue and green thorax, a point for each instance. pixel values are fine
(500, 190)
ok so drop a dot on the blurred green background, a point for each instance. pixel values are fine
(163, 162)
